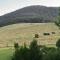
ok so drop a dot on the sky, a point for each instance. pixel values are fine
(7, 6)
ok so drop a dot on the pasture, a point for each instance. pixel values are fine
(6, 53)
(24, 33)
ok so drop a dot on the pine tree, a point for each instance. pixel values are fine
(57, 22)
(35, 53)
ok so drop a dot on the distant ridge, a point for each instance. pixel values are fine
(30, 14)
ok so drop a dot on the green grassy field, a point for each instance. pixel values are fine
(24, 33)
(6, 53)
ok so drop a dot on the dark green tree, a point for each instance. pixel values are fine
(58, 43)
(36, 36)
(35, 53)
(57, 22)
(32, 52)
(53, 55)
(21, 54)
(16, 46)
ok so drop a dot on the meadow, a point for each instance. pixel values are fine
(6, 53)
(24, 33)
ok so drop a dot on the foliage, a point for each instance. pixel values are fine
(31, 53)
(57, 22)
(52, 55)
(21, 54)
(53, 33)
(58, 43)
(36, 36)
(37, 52)
(16, 46)
(46, 33)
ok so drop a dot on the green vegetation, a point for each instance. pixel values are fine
(58, 43)
(36, 36)
(36, 52)
(46, 33)
(31, 53)
(6, 53)
(57, 22)
(16, 46)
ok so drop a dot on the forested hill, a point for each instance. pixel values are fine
(30, 14)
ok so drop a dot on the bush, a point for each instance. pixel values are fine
(36, 36)
(31, 53)
(58, 43)
(53, 32)
(21, 54)
(16, 46)
(46, 33)
(57, 22)
(53, 55)
(37, 52)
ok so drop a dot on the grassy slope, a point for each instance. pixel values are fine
(6, 53)
(25, 33)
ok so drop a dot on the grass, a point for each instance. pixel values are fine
(6, 53)
(25, 32)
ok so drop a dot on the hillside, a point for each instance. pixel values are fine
(30, 14)
(25, 32)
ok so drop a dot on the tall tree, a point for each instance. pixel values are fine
(35, 53)
(57, 22)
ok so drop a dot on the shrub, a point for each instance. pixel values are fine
(53, 55)
(46, 33)
(36, 36)
(53, 32)
(58, 43)
(16, 46)
(57, 22)
(31, 53)
(21, 54)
